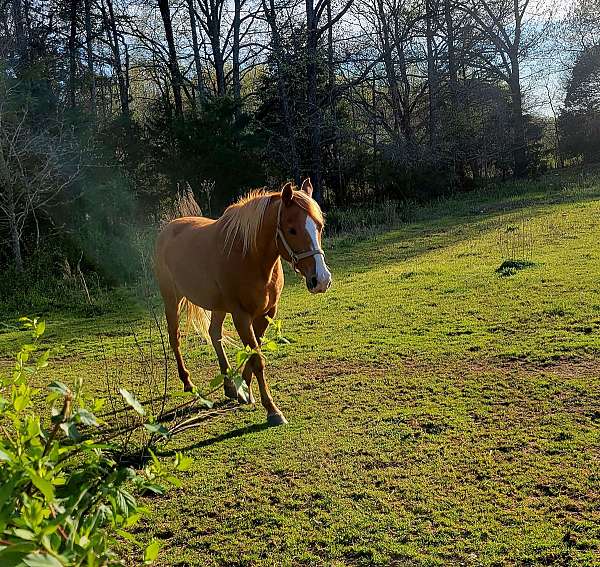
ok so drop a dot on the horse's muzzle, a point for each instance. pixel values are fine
(314, 285)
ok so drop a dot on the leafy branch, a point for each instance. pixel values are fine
(64, 501)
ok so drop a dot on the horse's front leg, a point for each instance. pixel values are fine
(256, 364)
(215, 331)
(259, 325)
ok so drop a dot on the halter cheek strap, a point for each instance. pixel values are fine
(295, 257)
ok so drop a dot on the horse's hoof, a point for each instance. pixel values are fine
(188, 386)
(276, 419)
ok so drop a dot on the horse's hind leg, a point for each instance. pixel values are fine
(215, 331)
(243, 325)
(172, 303)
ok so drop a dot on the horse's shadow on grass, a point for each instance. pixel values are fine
(240, 432)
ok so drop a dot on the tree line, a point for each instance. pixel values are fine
(110, 108)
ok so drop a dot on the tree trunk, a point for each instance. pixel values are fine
(431, 74)
(390, 72)
(519, 143)
(90, 55)
(558, 152)
(335, 152)
(452, 68)
(215, 42)
(404, 99)
(8, 198)
(72, 52)
(270, 15)
(330, 69)
(314, 111)
(374, 139)
(20, 43)
(176, 81)
(457, 158)
(518, 122)
(237, 86)
(15, 243)
(114, 42)
(196, 49)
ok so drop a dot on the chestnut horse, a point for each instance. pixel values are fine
(233, 265)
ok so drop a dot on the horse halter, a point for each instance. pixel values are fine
(295, 257)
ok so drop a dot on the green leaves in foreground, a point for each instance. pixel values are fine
(132, 401)
(269, 343)
(63, 499)
(151, 551)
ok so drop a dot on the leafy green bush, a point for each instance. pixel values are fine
(48, 292)
(63, 500)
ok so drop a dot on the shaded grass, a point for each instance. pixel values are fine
(511, 267)
(439, 413)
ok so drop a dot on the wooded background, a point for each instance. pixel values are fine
(110, 108)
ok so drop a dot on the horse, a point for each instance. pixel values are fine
(232, 265)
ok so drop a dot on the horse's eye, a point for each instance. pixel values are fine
(292, 231)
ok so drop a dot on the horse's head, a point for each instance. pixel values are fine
(299, 236)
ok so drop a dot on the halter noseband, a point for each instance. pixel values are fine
(295, 257)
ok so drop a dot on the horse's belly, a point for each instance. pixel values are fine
(196, 279)
(201, 289)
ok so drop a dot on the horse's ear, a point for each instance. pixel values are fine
(287, 194)
(307, 187)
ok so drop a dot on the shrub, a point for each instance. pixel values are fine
(63, 500)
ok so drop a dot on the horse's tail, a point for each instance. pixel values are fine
(198, 319)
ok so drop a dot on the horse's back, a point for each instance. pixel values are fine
(181, 236)
(180, 229)
(181, 224)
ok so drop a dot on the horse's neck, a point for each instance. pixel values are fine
(266, 242)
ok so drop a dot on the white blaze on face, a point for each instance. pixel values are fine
(322, 272)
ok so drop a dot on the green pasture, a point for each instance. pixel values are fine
(441, 411)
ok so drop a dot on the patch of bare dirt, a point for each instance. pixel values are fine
(568, 367)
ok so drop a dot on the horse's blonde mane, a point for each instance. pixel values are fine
(310, 206)
(244, 218)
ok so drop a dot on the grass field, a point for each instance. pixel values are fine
(440, 412)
